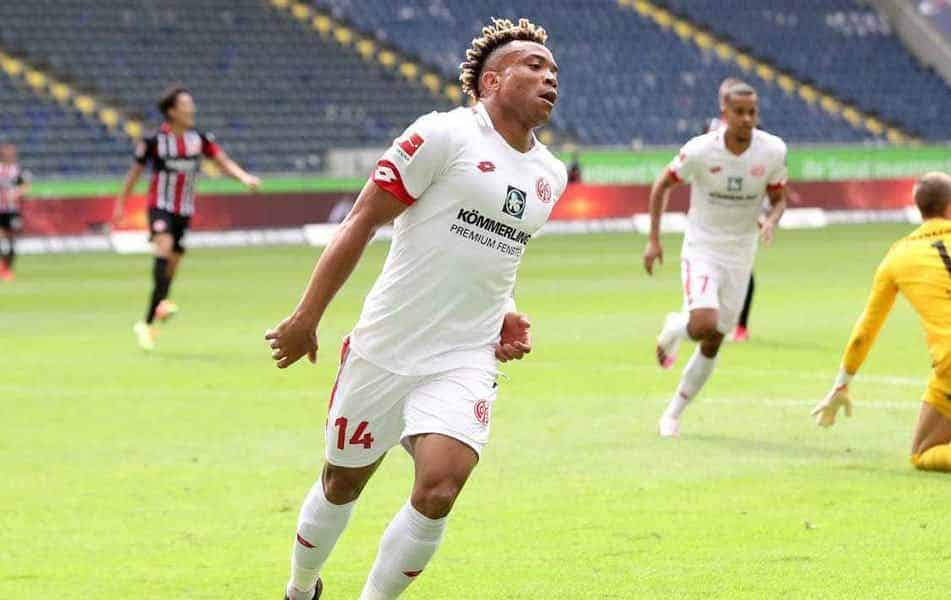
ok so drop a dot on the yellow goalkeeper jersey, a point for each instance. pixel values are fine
(918, 266)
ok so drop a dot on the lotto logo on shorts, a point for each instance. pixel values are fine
(481, 410)
(159, 226)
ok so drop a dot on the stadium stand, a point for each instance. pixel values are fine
(275, 93)
(279, 93)
(844, 47)
(51, 138)
(938, 12)
(632, 98)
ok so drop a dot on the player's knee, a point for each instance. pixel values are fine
(341, 485)
(435, 499)
(702, 328)
(163, 245)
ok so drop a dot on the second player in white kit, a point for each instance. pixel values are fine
(730, 171)
(466, 191)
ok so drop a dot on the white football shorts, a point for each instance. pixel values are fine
(708, 284)
(372, 409)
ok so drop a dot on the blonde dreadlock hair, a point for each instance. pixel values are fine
(499, 33)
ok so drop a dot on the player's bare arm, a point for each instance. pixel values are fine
(660, 192)
(866, 330)
(234, 170)
(777, 203)
(296, 335)
(131, 178)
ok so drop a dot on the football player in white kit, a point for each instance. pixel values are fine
(730, 170)
(466, 190)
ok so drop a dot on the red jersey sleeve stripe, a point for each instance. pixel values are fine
(674, 176)
(210, 149)
(387, 177)
(775, 186)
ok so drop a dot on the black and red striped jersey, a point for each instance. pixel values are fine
(11, 177)
(176, 163)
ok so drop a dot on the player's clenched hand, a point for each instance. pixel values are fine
(653, 251)
(291, 339)
(516, 339)
(825, 411)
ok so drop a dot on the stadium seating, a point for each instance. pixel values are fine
(279, 96)
(843, 47)
(624, 80)
(276, 94)
(938, 12)
(54, 140)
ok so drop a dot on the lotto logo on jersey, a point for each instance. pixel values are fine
(410, 145)
(384, 174)
(514, 202)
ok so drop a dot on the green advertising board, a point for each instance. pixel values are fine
(597, 166)
(805, 163)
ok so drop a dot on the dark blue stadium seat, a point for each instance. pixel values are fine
(269, 87)
(845, 48)
(54, 140)
(624, 80)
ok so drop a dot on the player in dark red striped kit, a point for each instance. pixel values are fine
(14, 183)
(175, 152)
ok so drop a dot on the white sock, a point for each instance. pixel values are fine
(679, 326)
(408, 543)
(695, 374)
(319, 525)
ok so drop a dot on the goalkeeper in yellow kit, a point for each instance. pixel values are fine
(918, 266)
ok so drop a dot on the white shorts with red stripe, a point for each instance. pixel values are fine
(709, 284)
(372, 409)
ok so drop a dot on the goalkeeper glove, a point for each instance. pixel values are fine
(826, 410)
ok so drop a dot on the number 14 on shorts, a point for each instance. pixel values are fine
(360, 437)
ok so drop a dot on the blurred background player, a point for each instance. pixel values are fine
(730, 171)
(918, 266)
(14, 184)
(467, 189)
(175, 154)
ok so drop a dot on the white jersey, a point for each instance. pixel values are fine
(727, 193)
(475, 202)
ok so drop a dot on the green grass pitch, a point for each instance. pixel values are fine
(178, 475)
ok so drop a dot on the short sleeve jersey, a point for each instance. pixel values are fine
(474, 204)
(176, 163)
(727, 192)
